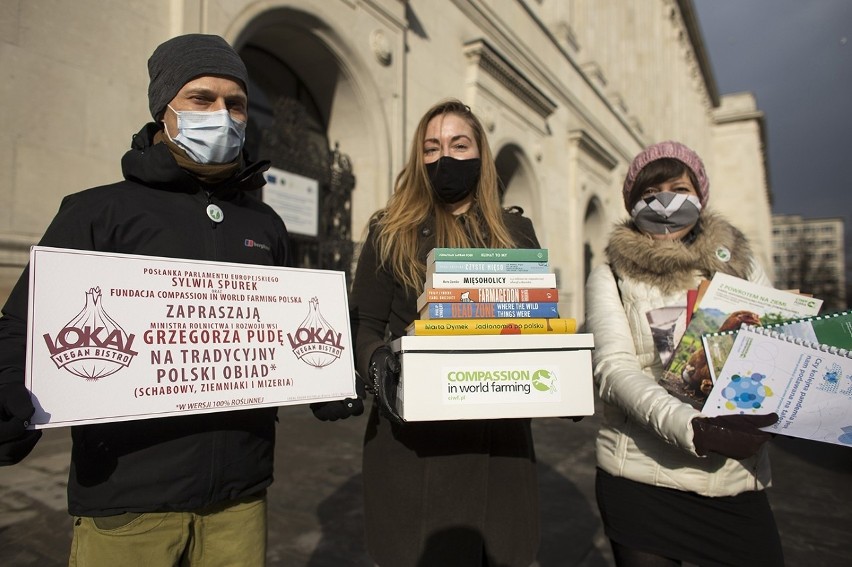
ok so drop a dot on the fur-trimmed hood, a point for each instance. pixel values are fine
(673, 264)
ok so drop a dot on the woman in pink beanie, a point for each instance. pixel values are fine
(672, 485)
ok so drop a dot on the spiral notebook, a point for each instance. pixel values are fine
(833, 329)
(809, 385)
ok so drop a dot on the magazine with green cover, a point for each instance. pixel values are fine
(833, 329)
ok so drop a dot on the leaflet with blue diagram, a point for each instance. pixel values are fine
(808, 385)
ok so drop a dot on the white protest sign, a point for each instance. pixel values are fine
(115, 337)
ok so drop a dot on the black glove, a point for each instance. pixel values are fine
(341, 409)
(16, 408)
(734, 436)
(384, 376)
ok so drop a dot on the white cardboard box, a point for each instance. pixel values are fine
(494, 376)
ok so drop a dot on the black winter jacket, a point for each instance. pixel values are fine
(175, 463)
(440, 492)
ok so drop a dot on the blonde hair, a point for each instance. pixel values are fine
(413, 201)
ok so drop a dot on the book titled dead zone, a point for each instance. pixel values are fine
(508, 326)
(484, 280)
(523, 310)
(488, 295)
(454, 267)
(487, 255)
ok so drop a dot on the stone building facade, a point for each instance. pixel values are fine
(569, 90)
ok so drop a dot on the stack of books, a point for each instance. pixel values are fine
(488, 291)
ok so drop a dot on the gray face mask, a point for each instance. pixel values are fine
(666, 212)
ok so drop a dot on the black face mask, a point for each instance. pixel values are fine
(453, 179)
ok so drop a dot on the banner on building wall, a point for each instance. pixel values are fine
(295, 198)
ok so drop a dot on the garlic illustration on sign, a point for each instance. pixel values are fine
(316, 342)
(92, 345)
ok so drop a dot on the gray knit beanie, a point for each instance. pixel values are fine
(179, 60)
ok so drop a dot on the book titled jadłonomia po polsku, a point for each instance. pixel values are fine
(507, 326)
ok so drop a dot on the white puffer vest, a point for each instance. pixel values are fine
(647, 433)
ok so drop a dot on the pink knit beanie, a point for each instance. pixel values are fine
(669, 149)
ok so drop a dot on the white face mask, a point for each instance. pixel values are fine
(209, 137)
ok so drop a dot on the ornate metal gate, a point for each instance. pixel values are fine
(294, 144)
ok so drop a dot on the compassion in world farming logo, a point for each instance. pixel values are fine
(545, 380)
(92, 345)
(315, 342)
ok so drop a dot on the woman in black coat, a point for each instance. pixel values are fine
(445, 493)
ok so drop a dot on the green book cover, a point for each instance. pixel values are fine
(832, 329)
(487, 255)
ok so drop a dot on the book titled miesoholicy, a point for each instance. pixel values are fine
(485, 280)
(487, 255)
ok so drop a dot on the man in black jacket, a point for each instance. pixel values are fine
(188, 489)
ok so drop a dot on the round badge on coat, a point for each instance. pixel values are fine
(723, 254)
(215, 213)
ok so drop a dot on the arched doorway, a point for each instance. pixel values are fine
(288, 128)
(595, 232)
(294, 91)
(517, 182)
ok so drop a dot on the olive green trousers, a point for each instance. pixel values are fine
(223, 535)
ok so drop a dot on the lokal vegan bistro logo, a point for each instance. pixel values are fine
(92, 345)
(315, 342)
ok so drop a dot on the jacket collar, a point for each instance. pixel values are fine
(154, 166)
(674, 264)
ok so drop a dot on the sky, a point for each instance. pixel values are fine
(796, 57)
